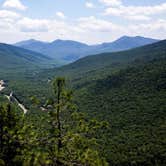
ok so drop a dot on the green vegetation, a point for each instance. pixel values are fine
(16, 62)
(9, 127)
(64, 136)
(92, 67)
(133, 101)
(126, 89)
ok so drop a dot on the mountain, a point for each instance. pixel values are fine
(87, 67)
(125, 43)
(126, 89)
(29, 43)
(66, 51)
(133, 101)
(63, 51)
(14, 59)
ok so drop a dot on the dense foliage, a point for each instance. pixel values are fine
(127, 89)
(133, 101)
(63, 136)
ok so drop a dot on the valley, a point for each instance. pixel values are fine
(125, 89)
(82, 83)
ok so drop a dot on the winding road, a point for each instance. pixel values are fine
(2, 83)
(12, 98)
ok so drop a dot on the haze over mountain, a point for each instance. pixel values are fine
(16, 59)
(67, 51)
(89, 65)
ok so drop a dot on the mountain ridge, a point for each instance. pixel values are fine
(68, 51)
(15, 59)
(108, 62)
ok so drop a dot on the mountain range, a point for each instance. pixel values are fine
(109, 62)
(66, 51)
(125, 88)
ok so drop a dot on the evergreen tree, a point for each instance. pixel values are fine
(64, 136)
(9, 126)
(72, 136)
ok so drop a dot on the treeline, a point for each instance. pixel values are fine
(63, 136)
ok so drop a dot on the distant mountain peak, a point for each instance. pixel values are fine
(57, 40)
(29, 42)
(67, 41)
(135, 41)
(136, 37)
(32, 40)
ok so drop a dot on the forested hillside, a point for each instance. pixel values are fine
(133, 101)
(106, 63)
(83, 83)
(126, 90)
(14, 60)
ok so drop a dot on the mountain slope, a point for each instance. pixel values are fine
(86, 67)
(67, 51)
(133, 101)
(132, 98)
(14, 59)
(29, 43)
(33, 45)
(61, 50)
(128, 90)
(125, 43)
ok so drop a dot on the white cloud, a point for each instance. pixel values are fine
(8, 19)
(85, 29)
(93, 24)
(136, 12)
(14, 4)
(137, 18)
(89, 5)
(151, 27)
(32, 25)
(60, 15)
(6, 14)
(14, 27)
(111, 2)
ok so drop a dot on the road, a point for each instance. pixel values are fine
(2, 85)
(12, 98)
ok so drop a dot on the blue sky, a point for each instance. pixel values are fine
(89, 21)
